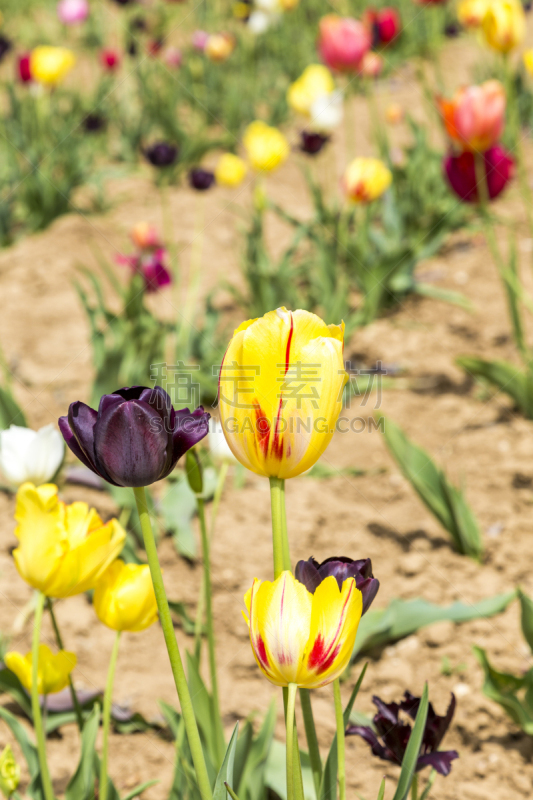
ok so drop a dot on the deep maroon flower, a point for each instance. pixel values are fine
(135, 438)
(24, 68)
(110, 59)
(161, 154)
(94, 122)
(201, 179)
(395, 734)
(312, 143)
(311, 574)
(461, 173)
(151, 265)
(5, 46)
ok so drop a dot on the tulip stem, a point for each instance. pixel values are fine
(219, 731)
(312, 741)
(106, 719)
(291, 701)
(35, 706)
(339, 717)
(59, 640)
(280, 540)
(176, 664)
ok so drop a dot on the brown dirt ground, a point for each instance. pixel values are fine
(479, 440)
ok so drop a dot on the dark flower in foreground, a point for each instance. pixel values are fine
(312, 143)
(161, 154)
(135, 438)
(201, 179)
(5, 46)
(461, 173)
(395, 734)
(311, 574)
(94, 122)
(24, 68)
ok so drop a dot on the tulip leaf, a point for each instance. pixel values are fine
(504, 688)
(526, 617)
(505, 377)
(445, 501)
(81, 785)
(204, 712)
(413, 749)
(275, 774)
(401, 618)
(381, 793)
(180, 610)
(10, 411)
(249, 769)
(29, 751)
(139, 789)
(328, 786)
(10, 684)
(225, 774)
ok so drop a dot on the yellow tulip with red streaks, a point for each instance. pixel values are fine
(299, 637)
(280, 391)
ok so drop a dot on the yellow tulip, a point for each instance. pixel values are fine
(230, 170)
(299, 637)
(366, 179)
(472, 12)
(53, 670)
(62, 549)
(280, 391)
(288, 5)
(504, 25)
(528, 61)
(267, 147)
(124, 598)
(51, 64)
(315, 81)
(219, 46)
(9, 772)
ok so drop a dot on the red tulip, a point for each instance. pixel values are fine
(461, 173)
(24, 68)
(110, 59)
(343, 42)
(384, 25)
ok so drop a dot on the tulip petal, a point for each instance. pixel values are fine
(189, 429)
(334, 622)
(441, 762)
(78, 432)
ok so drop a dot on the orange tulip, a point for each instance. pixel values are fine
(475, 116)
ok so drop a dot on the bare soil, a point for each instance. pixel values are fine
(480, 440)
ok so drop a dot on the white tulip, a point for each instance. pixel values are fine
(259, 22)
(327, 112)
(217, 443)
(27, 455)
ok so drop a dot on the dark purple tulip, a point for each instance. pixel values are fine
(312, 143)
(201, 179)
(135, 438)
(395, 734)
(5, 46)
(461, 173)
(311, 574)
(94, 123)
(161, 154)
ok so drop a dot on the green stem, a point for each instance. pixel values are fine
(35, 706)
(176, 664)
(414, 788)
(279, 526)
(339, 717)
(219, 731)
(59, 640)
(291, 700)
(312, 741)
(106, 720)
(223, 472)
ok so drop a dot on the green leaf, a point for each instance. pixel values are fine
(446, 295)
(180, 610)
(401, 618)
(381, 793)
(139, 789)
(502, 687)
(275, 775)
(447, 503)
(10, 684)
(526, 617)
(328, 787)
(204, 712)
(413, 749)
(29, 751)
(10, 411)
(250, 777)
(506, 377)
(81, 785)
(225, 774)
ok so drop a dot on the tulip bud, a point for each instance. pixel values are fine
(366, 179)
(9, 772)
(110, 59)
(49, 65)
(24, 68)
(461, 173)
(161, 154)
(504, 25)
(199, 40)
(219, 46)
(135, 438)
(267, 147)
(5, 46)
(394, 113)
(230, 170)
(194, 471)
(53, 671)
(124, 597)
(71, 12)
(27, 455)
(145, 236)
(475, 116)
(311, 574)
(312, 143)
(471, 13)
(342, 42)
(201, 179)
(314, 82)
(372, 65)
(173, 57)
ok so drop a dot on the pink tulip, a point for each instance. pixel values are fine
(343, 42)
(199, 40)
(173, 57)
(461, 173)
(372, 65)
(71, 12)
(475, 116)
